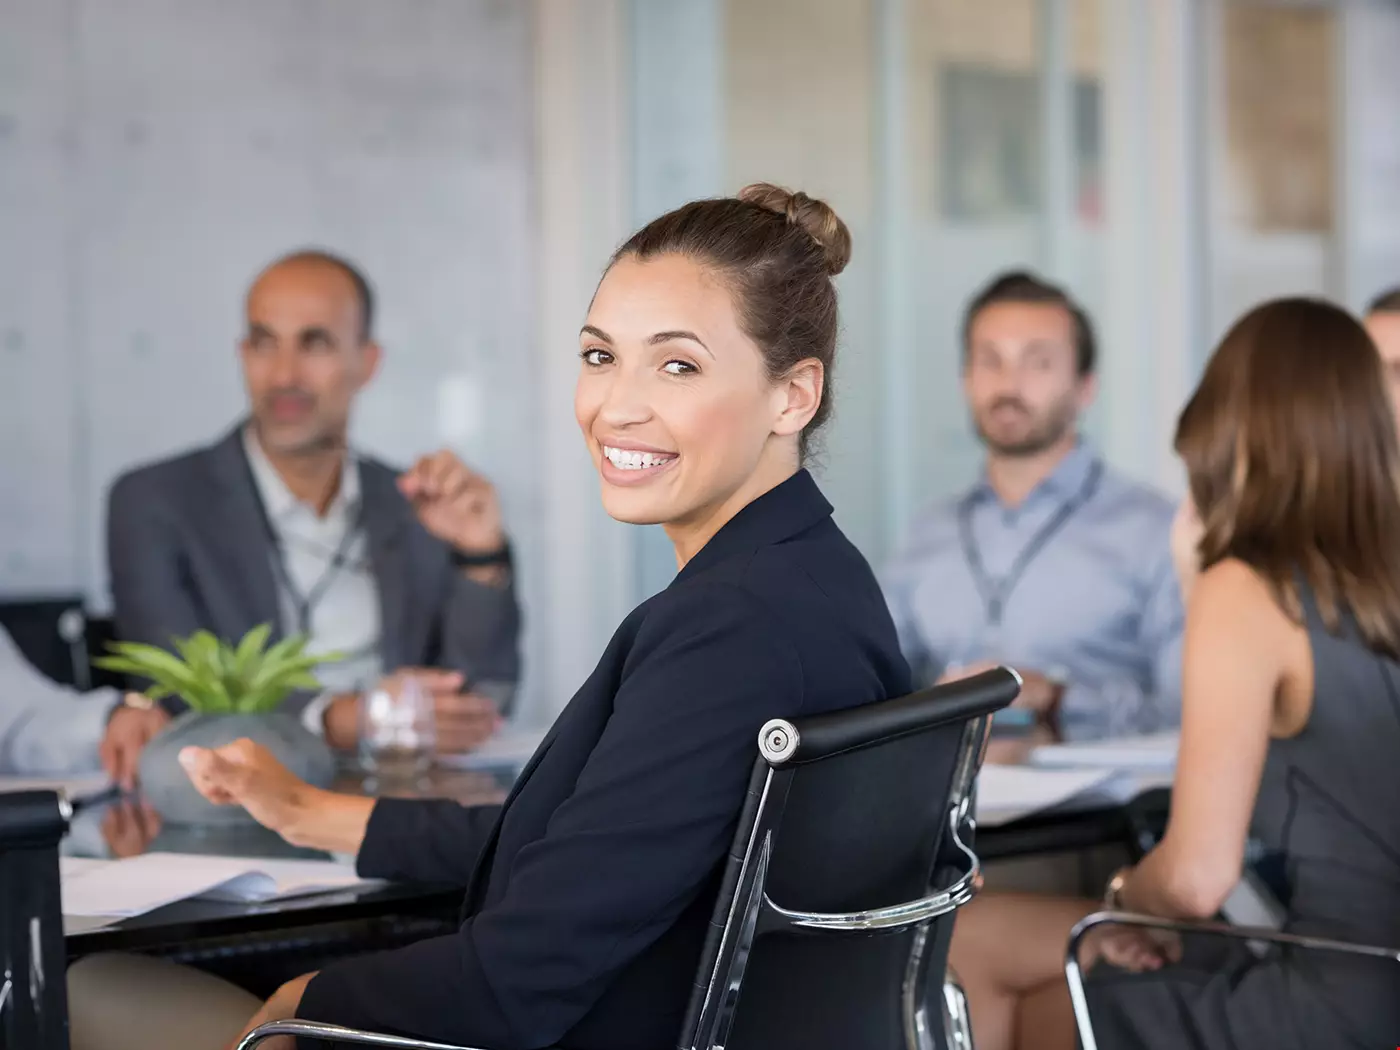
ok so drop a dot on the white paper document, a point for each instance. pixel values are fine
(512, 747)
(1007, 793)
(136, 885)
(1152, 753)
(79, 787)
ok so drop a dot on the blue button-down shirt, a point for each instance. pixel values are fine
(1098, 607)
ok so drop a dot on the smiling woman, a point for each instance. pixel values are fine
(705, 367)
(707, 358)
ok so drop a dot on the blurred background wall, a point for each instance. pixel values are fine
(1172, 161)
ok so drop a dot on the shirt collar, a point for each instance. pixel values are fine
(785, 510)
(279, 500)
(1066, 479)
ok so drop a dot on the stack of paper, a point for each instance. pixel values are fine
(1153, 753)
(143, 883)
(77, 788)
(511, 748)
(1007, 793)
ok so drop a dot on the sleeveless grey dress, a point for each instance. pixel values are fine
(1329, 812)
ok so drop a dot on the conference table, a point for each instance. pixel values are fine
(262, 944)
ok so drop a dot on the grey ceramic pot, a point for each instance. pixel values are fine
(165, 785)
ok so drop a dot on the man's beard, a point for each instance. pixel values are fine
(1044, 431)
(318, 441)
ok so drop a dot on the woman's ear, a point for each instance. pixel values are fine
(799, 396)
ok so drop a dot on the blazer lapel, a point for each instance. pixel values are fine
(237, 514)
(387, 520)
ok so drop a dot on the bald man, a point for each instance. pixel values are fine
(282, 522)
(1383, 323)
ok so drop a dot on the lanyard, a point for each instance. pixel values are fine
(995, 592)
(303, 605)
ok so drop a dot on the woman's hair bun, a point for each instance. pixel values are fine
(815, 218)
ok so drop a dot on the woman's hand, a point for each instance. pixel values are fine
(281, 1007)
(246, 774)
(1186, 534)
(1135, 949)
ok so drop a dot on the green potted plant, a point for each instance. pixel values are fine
(232, 691)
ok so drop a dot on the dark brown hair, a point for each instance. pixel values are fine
(777, 252)
(1021, 286)
(1388, 302)
(1290, 448)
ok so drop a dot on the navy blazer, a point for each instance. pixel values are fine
(589, 891)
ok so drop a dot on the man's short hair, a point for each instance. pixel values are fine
(364, 291)
(1022, 286)
(1388, 302)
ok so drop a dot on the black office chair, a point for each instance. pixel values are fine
(1251, 935)
(846, 813)
(49, 632)
(33, 993)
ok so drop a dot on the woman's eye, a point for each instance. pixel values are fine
(594, 356)
(678, 368)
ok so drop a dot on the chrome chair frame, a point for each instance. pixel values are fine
(1074, 973)
(752, 912)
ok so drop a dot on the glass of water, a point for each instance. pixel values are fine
(398, 732)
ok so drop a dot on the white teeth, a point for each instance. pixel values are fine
(625, 459)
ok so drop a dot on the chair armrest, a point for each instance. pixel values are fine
(896, 916)
(1074, 974)
(333, 1033)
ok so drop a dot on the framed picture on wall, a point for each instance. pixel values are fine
(990, 149)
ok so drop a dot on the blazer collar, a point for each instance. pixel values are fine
(780, 513)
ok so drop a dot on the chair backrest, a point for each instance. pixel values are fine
(49, 632)
(851, 856)
(101, 632)
(33, 992)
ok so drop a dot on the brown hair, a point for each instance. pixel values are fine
(1020, 286)
(777, 251)
(1290, 448)
(1388, 302)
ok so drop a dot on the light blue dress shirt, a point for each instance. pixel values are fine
(1088, 594)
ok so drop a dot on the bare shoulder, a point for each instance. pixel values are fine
(1230, 595)
(1234, 617)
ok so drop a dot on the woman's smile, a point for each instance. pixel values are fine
(629, 464)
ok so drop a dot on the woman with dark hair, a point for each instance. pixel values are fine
(705, 368)
(1288, 551)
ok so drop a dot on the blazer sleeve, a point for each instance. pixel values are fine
(480, 636)
(424, 840)
(651, 817)
(150, 600)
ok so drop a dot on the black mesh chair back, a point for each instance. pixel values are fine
(852, 855)
(33, 994)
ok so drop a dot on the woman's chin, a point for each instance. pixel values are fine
(634, 506)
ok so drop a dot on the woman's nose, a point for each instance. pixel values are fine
(625, 402)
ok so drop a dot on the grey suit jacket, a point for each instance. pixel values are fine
(187, 548)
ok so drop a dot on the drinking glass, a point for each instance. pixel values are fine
(398, 731)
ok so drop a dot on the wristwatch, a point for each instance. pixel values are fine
(490, 559)
(1113, 892)
(139, 701)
